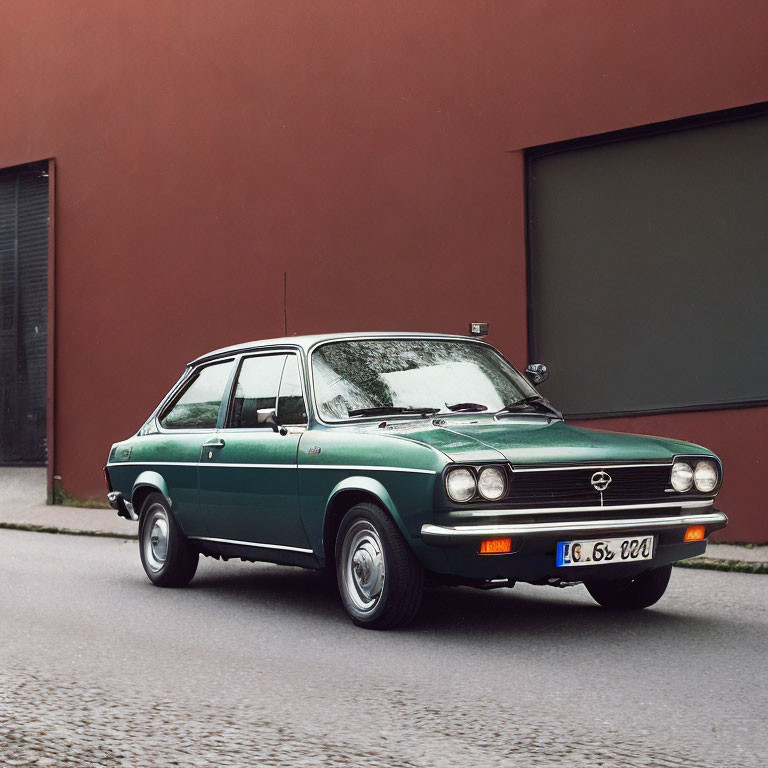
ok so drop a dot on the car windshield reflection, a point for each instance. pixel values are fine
(366, 378)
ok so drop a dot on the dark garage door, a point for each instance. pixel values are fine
(23, 312)
(649, 267)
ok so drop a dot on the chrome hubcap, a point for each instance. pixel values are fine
(363, 569)
(156, 537)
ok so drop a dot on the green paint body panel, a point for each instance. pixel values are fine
(219, 493)
(252, 503)
(531, 440)
(174, 458)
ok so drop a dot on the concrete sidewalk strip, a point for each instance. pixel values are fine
(748, 552)
(73, 520)
(23, 507)
(731, 557)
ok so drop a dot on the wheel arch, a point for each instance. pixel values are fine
(347, 493)
(149, 482)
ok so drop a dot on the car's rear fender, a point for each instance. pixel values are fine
(148, 482)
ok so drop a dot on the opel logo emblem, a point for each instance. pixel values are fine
(600, 480)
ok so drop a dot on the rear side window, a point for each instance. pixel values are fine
(267, 383)
(198, 405)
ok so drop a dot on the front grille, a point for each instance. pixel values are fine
(573, 487)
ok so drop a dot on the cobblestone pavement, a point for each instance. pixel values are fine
(258, 666)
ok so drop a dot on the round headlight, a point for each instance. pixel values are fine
(682, 476)
(491, 483)
(705, 476)
(460, 484)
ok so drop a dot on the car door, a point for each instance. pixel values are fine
(248, 473)
(187, 421)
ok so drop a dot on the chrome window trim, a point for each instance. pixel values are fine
(697, 504)
(394, 336)
(437, 532)
(255, 544)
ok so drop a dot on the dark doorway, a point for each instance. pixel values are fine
(23, 313)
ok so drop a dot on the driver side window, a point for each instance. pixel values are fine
(267, 382)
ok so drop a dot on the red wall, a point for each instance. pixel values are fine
(370, 150)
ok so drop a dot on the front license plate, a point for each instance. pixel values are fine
(604, 551)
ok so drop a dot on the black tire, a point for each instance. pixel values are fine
(173, 565)
(631, 594)
(380, 581)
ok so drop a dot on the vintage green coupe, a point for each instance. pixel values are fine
(400, 457)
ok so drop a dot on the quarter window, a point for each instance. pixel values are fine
(290, 403)
(198, 406)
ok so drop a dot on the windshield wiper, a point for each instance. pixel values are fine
(390, 410)
(467, 407)
(531, 400)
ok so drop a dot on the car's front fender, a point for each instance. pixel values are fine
(367, 485)
(430, 557)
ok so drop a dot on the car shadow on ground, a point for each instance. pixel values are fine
(461, 613)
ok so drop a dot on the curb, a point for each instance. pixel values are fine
(64, 531)
(736, 566)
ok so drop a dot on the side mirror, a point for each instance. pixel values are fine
(268, 416)
(537, 373)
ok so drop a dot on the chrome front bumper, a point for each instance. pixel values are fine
(444, 535)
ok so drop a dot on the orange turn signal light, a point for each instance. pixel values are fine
(694, 533)
(495, 546)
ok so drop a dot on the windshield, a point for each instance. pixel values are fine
(424, 375)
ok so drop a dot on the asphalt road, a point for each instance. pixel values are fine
(256, 665)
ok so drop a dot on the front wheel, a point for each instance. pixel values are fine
(631, 594)
(168, 558)
(380, 580)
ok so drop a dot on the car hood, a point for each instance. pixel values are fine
(542, 442)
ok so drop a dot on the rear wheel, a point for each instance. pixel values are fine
(168, 558)
(631, 594)
(380, 580)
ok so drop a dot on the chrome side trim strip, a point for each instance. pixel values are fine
(255, 544)
(606, 466)
(596, 508)
(365, 468)
(368, 468)
(152, 464)
(437, 532)
(245, 466)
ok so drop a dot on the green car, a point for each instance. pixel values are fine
(399, 458)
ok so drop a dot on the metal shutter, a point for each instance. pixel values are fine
(23, 312)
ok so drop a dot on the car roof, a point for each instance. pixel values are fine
(307, 342)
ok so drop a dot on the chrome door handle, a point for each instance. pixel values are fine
(216, 443)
